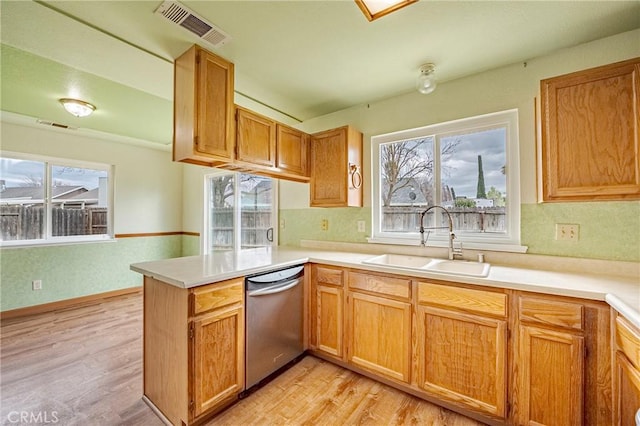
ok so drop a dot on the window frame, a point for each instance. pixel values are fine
(510, 241)
(205, 247)
(50, 162)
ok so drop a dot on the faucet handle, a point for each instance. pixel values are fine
(457, 250)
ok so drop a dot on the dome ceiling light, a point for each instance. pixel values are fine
(426, 82)
(77, 107)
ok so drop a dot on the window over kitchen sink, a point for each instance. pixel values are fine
(240, 211)
(468, 166)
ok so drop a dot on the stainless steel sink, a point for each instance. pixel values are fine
(440, 266)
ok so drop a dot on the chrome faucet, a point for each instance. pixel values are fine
(453, 252)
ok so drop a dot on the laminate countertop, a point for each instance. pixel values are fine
(622, 293)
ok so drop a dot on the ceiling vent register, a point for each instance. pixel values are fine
(187, 19)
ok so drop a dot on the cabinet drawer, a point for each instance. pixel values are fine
(216, 295)
(390, 286)
(327, 275)
(551, 312)
(628, 340)
(481, 301)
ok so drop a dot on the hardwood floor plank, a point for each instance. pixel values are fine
(85, 365)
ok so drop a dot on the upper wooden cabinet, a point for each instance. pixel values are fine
(264, 146)
(203, 111)
(255, 138)
(293, 150)
(591, 134)
(336, 168)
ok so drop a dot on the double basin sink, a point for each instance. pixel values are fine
(420, 263)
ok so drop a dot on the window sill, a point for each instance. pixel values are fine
(472, 245)
(56, 242)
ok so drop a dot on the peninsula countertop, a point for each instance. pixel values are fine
(622, 293)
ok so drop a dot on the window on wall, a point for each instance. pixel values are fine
(468, 166)
(240, 211)
(50, 200)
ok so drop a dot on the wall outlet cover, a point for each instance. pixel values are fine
(567, 232)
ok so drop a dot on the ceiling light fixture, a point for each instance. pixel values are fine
(426, 80)
(374, 9)
(77, 107)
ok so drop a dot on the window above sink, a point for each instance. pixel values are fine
(469, 166)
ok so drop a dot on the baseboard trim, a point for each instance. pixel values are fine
(156, 411)
(61, 304)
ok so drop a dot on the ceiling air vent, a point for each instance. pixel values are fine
(53, 124)
(181, 15)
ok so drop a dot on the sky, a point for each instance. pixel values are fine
(20, 172)
(461, 168)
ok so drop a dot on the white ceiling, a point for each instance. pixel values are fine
(309, 58)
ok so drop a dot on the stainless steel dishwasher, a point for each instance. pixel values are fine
(274, 322)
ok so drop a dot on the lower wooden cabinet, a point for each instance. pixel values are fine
(561, 361)
(329, 322)
(218, 357)
(193, 348)
(552, 377)
(626, 373)
(500, 356)
(327, 310)
(462, 349)
(379, 337)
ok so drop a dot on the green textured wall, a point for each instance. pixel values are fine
(77, 270)
(304, 224)
(190, 245)
(608, 230)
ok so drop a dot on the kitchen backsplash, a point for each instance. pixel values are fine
(608, 230)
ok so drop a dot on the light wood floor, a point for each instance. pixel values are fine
(83, 366)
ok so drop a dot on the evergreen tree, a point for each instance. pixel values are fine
(481, 193)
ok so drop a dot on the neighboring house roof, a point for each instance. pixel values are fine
(408, 194)
(37, 192)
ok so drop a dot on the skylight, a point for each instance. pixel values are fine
(374, 9)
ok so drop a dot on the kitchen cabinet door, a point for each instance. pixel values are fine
(627, 394)
(551, 377)
(203, 115)
(462, 358)
(591, 134)
(218, 358)
(380, 335)
(329, 320)
(293, 151)
(255, 138)
(336, 168)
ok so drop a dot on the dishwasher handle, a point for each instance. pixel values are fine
(277, 288)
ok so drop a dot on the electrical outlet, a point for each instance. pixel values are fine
(361, 226)
(324, 224)
(281, 223)
(36, 285)
(567, 232)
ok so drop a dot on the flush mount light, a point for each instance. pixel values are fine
(426, 80)
(77, 107)
(374, 9)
